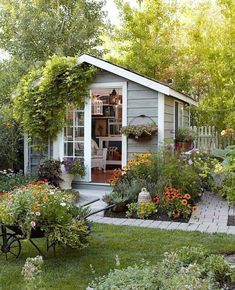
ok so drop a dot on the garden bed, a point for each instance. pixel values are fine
(159, 216)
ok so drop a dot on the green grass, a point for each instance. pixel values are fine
(70, 269)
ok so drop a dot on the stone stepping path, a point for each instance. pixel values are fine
(211, 215)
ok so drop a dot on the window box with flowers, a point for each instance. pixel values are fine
(69, 168)
(184, 139)
(139, 132)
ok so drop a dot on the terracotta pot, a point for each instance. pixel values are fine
(67, 178)
(183, 146)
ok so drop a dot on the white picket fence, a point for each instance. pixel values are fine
(208, 139)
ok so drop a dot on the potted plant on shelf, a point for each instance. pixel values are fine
(184, 139)
(138, 132)
(69, 168)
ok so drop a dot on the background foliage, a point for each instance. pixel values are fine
(188, 44)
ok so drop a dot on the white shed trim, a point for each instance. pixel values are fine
(161, 114)
(154, 85)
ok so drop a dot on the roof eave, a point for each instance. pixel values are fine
(135, 78)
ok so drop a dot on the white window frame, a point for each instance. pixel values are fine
(180, 107)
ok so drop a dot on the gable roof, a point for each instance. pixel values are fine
(135, 77)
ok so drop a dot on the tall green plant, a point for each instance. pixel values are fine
(43, 94)
(11, 141)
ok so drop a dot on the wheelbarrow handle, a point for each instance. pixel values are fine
(90, 202)
(97, 211)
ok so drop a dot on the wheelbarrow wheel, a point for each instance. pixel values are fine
(12, 249)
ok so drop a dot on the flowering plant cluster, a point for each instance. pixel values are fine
(175, 203)
(184, 135)
(228, 132)
(10, 180)
(74, 166)
(137, 131)
(32, 268)
(172, 202)
(138, 160)
(40, 205)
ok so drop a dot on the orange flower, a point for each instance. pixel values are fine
(36, 207)
(184, 201)
(176, 214)
(171, 197)
(187, 196)
(179, 195)
(194, 208)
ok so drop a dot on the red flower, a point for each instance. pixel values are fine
(157, 199)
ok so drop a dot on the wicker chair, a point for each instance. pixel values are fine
(98, 156)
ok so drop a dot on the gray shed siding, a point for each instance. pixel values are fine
(140, 101)
(169, 118)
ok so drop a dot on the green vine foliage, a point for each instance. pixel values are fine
(43, 95)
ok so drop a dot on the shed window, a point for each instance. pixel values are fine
(179, 114)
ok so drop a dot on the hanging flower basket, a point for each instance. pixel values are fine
(143, 129)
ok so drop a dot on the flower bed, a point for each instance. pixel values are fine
(172, 183)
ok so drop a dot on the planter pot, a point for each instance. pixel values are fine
(183, 146)
(119, 207)
(67, 178)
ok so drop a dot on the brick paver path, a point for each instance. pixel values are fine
(211, 216)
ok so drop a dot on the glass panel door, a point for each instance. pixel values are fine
(74, 134)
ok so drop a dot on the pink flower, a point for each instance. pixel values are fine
(190, 162)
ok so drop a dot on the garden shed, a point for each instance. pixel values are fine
(118, 97)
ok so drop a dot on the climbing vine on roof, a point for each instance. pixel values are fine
(43, 95)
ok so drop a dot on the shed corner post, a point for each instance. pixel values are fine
(161, 112)
(26, 154)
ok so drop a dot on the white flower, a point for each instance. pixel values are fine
(190, 162)
(33, 224)
(52, 192)
(38, 213)
(63, 203)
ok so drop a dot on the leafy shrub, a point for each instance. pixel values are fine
(50, 170)
(204, 165)
(225, 173)
(10, 180)
(219, 270)
(142, 210)
(115, 197)
(136, 277)
(11, 142)
(178, 270)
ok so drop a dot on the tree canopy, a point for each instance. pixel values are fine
(33, 30)
(189, 45)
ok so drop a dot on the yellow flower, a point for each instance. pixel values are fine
(219, 168)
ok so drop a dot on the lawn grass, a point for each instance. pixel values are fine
(70, 269)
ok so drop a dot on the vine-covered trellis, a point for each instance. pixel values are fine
(43, 94)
